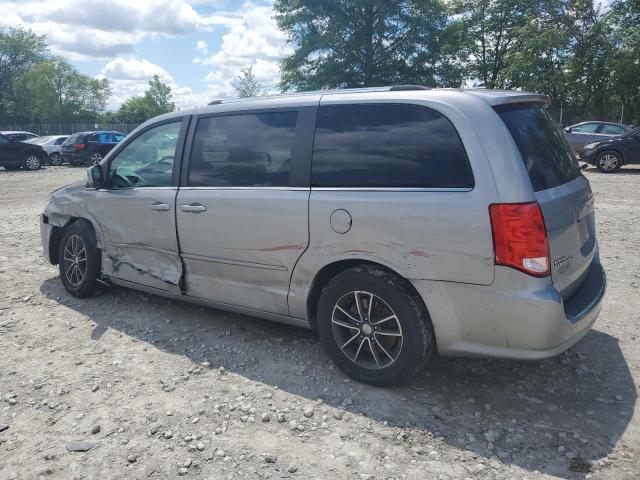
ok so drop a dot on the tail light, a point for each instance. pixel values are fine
(520, 237)
(78, 146)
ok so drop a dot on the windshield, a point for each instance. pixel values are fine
(545, 151)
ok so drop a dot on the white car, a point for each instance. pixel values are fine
(51, 145)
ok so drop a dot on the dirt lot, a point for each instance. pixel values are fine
(161, 389)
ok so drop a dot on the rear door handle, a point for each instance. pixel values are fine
(159, 207)
(194, 208)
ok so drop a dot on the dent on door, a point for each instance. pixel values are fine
(162, 265)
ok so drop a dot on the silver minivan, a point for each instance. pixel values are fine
(396, 222)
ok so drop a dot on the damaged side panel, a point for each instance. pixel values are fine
(138, 244)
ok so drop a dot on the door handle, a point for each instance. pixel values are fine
(194, 208)
(159, 207)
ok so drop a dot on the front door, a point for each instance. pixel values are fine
(242, 221)
(136, 212)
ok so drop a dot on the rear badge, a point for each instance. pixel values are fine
(562, 264)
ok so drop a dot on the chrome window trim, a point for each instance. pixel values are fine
(136, 188)
(294, 189)
(392, 189)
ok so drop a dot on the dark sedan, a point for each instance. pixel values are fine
(587, 132)
(611, 154)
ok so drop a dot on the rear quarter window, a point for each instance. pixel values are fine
(545, 151)
(388, 146)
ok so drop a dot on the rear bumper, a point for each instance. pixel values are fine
(517, 317)
(73, 157)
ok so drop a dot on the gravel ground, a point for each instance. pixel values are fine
(152, 388)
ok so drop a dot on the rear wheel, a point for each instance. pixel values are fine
(55, 159)
(95, 158)
(374, 327)
(609, 161)
(31, 161)
(79, 259)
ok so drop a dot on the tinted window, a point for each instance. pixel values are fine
(118, 137)
(545, 151)
(387, 145)
(61, 140)
(146, 161)
(243, 150)
(72, 139)
(612, 130)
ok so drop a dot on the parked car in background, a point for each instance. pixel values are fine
(51, 144)
(89, 148)
(396, 221)
(19, 135)
(610, 154)
(15, 154)
(587, 132)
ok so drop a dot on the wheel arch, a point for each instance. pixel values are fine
(57, 233)
(330, 270)
(610, 149)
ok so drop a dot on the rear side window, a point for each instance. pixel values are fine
(60, 141)
(72, 139)
(246, 150)
(544, 149)
(612, 130)
(387, 146)
(586, 128)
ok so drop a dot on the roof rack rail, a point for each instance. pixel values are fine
(401, 88)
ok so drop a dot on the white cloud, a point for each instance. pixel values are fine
(130, 77)
(202, 47)
(254, 39)
(89, 29)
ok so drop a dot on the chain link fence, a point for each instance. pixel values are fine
(67, 128)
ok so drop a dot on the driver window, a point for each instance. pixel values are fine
(148, 160)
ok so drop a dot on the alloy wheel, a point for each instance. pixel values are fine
(367, 330)
(608, 162)
(95, 158)
(75, 260)
(55, 159)
(32, 162)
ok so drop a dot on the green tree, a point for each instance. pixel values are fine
(155, 101)
(246, 84)
(20, 49)
(53, 90)
(491, 29)
(365, 43)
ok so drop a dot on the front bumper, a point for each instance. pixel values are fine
(587, 156)
(517, 317)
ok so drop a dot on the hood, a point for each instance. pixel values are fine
(72, 188)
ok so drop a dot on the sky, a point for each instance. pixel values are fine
(196, 46)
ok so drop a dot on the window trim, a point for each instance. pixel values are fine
(395, 189)
(300, 173)
(177, 161)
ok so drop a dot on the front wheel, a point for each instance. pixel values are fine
(31, 161)
(374, 327)
(79, 259)
(608, 161)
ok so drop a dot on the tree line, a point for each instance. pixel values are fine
(38, 87)
(586, 59)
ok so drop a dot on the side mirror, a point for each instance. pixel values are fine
(584, 166)
(95, 177)
(567, 129)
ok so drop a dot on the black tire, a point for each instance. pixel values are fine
(82, 284)
(417, 338)
(55, 159)
(609, 161)
(32, 161)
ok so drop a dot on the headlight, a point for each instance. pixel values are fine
(591, 145)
